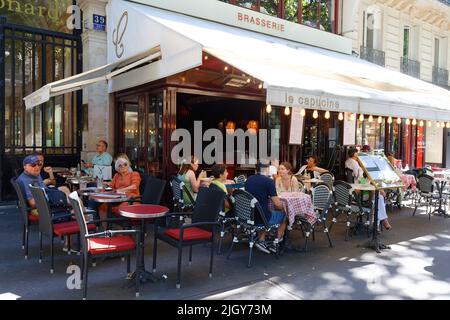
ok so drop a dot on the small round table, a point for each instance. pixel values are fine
(362, 187)
(110, 199)
(143, 212)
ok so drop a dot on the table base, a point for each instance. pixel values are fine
(441, 212)
(376, 245)
(144, 277)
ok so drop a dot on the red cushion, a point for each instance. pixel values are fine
(65, 228)
(109, 245)
(33, 218)
(190, 234)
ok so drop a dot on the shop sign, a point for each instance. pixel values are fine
(266, 23)
(42, 14)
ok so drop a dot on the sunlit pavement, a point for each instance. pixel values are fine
(416, 267)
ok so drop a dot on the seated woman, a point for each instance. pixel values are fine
(187, 175)
(311, 168)
(219, 172)
(358, 174)
(286, 182)
(408, 180)
(124, 181)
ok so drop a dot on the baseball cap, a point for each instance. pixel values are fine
(32, 159)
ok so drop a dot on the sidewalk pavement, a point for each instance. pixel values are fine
(414, 268)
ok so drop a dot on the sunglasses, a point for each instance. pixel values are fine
(33, 165)
(123, 165)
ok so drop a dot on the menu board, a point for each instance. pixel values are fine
(349, 130)
(379, 170)
(296, 134)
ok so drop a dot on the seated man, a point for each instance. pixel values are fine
(263, 189)
(32, 175)
(102, 158)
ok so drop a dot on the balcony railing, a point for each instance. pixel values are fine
(440, 76)
(410, 67)
(373, 55)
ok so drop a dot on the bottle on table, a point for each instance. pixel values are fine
(99, 182)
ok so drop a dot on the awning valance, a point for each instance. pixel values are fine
(299, 75)
(103, 73)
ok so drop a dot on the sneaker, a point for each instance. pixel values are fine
(262, 246)
(272, 248)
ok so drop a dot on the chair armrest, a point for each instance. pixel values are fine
(135, 199)
(111, 233)
(106, 220)
(192, 225)
(177, 214)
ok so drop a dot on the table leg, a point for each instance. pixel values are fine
(375, 243)
(144, 275)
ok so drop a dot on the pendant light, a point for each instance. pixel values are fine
(421, 123)
(315, 114)
(361, 117)
(390, 120)
(370, 118)
(303, 112)
(414, 122)
(268, 108)
(327, 115)
(341, 116)
(380, 119)
(399, 120)
(287, 111)
(408, 122)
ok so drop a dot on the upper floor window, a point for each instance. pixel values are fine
(440, 52)
(372, 25)
(411, 42)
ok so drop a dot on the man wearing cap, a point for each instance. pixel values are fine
(32, 175)
(263, 189)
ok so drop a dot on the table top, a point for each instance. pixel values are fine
(314, 180)
(143, 211)
(59, 169)
(362, 187)
(109, 197)
(77, 180)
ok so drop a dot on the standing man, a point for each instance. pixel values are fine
(102, 158)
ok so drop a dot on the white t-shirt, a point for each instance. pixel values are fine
(302, 171)
(353, 165)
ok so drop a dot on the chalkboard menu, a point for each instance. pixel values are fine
(379, 171)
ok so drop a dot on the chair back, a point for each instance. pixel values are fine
(188, 194)
(241, 179)
(327, 178)
(349, 175)
(247, 208)
(78, 210)
(342, 195)
(324, 213)
(43, 207)
(320, 196)
(208, 206)
(177, 192)
(426, 183)
(21, 202)
(153, 191)
(214, 186)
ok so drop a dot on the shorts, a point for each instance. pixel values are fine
(276, 218)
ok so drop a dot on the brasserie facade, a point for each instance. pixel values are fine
(229, 65)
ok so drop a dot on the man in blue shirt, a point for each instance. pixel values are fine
(30, 175)
(102, 158)
(263, 189)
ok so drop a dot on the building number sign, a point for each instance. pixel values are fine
(99, 22)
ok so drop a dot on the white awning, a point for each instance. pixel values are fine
(103, 73)
(299, 75)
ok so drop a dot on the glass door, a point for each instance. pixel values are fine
(140, 131)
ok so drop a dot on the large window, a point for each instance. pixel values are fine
(371, 133)
(32, 60)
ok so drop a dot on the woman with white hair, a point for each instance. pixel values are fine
(124, 181)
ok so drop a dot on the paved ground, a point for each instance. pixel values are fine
(415, 268)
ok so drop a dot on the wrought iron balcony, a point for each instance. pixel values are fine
(440, 76)
(410, 67)
(372, 55)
